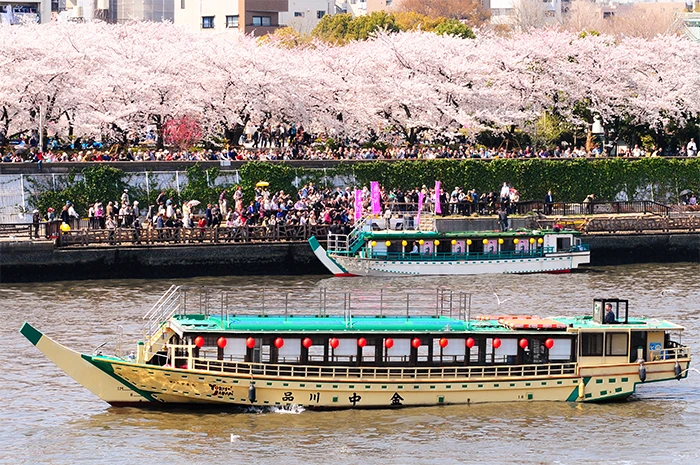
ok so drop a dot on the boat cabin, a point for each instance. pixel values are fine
(449, 338)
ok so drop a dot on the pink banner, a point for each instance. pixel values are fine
(376, 198)
(420, 208)
(438, 207)
(358, 204)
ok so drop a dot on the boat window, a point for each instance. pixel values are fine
(368, 353)
(235, 349)
(560, 351)
(346, 350)
(453, 352)
(290, 352)
(474, 354)
(507, 352)
(316, 353)
(563, 243)
(400, 351)
(591, 344)
(423, 353)
(265, 352)
(616, 344)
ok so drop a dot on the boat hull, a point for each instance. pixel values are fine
(551, 263)
(167, 385)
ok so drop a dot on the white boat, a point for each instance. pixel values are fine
(369, 252)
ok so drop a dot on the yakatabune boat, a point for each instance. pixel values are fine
(322, 360)
(366, 251)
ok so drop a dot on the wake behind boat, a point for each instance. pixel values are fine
(397, 351)
(410, 248)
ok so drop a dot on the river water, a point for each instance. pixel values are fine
(47, 418)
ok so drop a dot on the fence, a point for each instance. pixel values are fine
(171, 236)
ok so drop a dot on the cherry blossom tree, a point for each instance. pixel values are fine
(117, 81)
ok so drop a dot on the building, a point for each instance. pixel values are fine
(139, 10)
(257, 17)
(363, 7)
(304, 15)
(38, 11)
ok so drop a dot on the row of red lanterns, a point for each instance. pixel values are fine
(362, 342)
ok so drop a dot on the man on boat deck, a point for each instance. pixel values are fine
(609, 314)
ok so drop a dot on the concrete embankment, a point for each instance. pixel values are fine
(40, 261)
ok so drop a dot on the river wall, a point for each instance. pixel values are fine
(40, 261)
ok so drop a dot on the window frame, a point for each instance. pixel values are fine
(203, 23)
(591, 344)
(230, 19)
(609, 346)
(259, 21)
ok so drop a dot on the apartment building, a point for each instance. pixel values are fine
(257, 17)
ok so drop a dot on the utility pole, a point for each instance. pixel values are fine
(41, 127)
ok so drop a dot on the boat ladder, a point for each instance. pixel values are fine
(163, 310)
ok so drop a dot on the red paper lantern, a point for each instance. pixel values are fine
(549, 343)
(496, 343)
(415, 343)
(306, 342)
(199, 342)
(279, 342)
(389, 343)
(250, 343)
(362, 342)
(443, 342)
(470, 342)
(334, 342)
(221, 342)
(523, 343)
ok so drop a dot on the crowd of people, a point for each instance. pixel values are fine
(269, 147)
(310, 205)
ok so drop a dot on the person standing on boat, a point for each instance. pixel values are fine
(609, 315)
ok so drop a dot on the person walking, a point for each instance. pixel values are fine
(692, 148)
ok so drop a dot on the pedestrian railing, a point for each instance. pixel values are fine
(217, 235)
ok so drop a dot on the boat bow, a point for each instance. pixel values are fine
(78, 366)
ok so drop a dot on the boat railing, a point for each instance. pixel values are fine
(441, 256)
(162, 310)
(673, 353)
(180, 301)
(369, 372)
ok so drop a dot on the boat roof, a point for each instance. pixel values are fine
(400, 324)
(388, 234)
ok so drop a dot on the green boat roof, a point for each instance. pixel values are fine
(388, 324)
(464, 234)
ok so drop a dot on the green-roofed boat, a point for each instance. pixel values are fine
(412, 247)
(409, 350)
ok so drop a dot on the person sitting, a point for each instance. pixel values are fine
(609, 315)
(415, 247)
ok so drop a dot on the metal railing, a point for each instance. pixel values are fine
(217, 235)
(381, 302)
(168, 304)
(437, 257)
(359, 373)
(669, 353)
